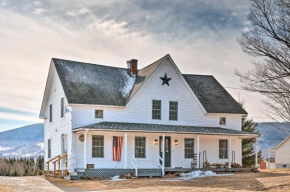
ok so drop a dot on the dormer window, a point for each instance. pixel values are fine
(222, 120)
(99, 114)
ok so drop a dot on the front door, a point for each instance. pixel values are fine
(167, 150)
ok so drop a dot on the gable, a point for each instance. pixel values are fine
(178, 90)
(283, 144)
(47, 90)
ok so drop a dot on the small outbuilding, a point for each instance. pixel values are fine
(281, 155)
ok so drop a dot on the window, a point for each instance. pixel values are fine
(156, 109)
(223, 149)
(98, 146)
(50, 113)
(140, 147)
(99, 114)
(188, 148)
(62, 107)
(222, 120)
(48, 148)
(173, 110)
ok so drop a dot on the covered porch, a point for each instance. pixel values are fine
(186, 148)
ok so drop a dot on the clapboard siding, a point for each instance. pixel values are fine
(207, 143)
(59, 125)
(282, 153)
(139, 109)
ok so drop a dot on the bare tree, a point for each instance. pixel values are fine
(269, 40)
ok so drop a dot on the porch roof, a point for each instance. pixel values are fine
(143, 127)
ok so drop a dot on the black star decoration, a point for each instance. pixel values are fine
(165, 80)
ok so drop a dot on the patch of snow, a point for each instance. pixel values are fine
(198, 173)
(117, 178)
(130, 80)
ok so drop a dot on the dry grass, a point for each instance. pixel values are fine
(259, 181)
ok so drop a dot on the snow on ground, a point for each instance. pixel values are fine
(117, 178)
(198, 173)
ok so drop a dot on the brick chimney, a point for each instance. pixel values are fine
(134, 66)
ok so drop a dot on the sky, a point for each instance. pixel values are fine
(201, 37)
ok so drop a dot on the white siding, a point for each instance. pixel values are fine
(58, 126)
(207, 143)
(282, 153)
(139, 109)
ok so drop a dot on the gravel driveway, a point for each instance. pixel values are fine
(31, 184)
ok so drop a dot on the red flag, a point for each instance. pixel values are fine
(117, 148)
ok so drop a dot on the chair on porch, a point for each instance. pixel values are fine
(194, 162)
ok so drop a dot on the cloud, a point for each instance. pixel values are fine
(199, 35)
(39, 11)
(15, 117)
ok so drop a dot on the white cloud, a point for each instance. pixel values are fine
(39, 11)
(16, 117)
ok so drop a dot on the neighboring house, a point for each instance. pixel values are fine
(281, 155)
(115, 119)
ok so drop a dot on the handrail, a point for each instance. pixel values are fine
(134, 162)
(57, 158)
(162, 166)
(47, 162)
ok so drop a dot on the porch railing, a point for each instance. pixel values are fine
(161, 165)
(135, 165)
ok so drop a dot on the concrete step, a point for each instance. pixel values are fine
(74, 173)
(80, 170)
(67, 177)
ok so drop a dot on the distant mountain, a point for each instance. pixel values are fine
(272, 134)
(25, 141)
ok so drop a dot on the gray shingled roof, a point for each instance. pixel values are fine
(213, 97)
(86, 83)
(119, 126)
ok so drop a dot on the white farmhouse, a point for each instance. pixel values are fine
(281, 155)
(111, 120)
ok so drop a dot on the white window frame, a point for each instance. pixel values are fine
(62, 110)
(160, 109)
(144, 158)
(184, 148)
(219, 149)
(50, 113)
(49, 148)
(177, 111)
(94, 115)
(220, 121)
(93, 146)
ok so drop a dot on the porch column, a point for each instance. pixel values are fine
(163, 154)
(197, 151)
(230, 152)
(256, 153)
(85, 148)
(126, 150)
